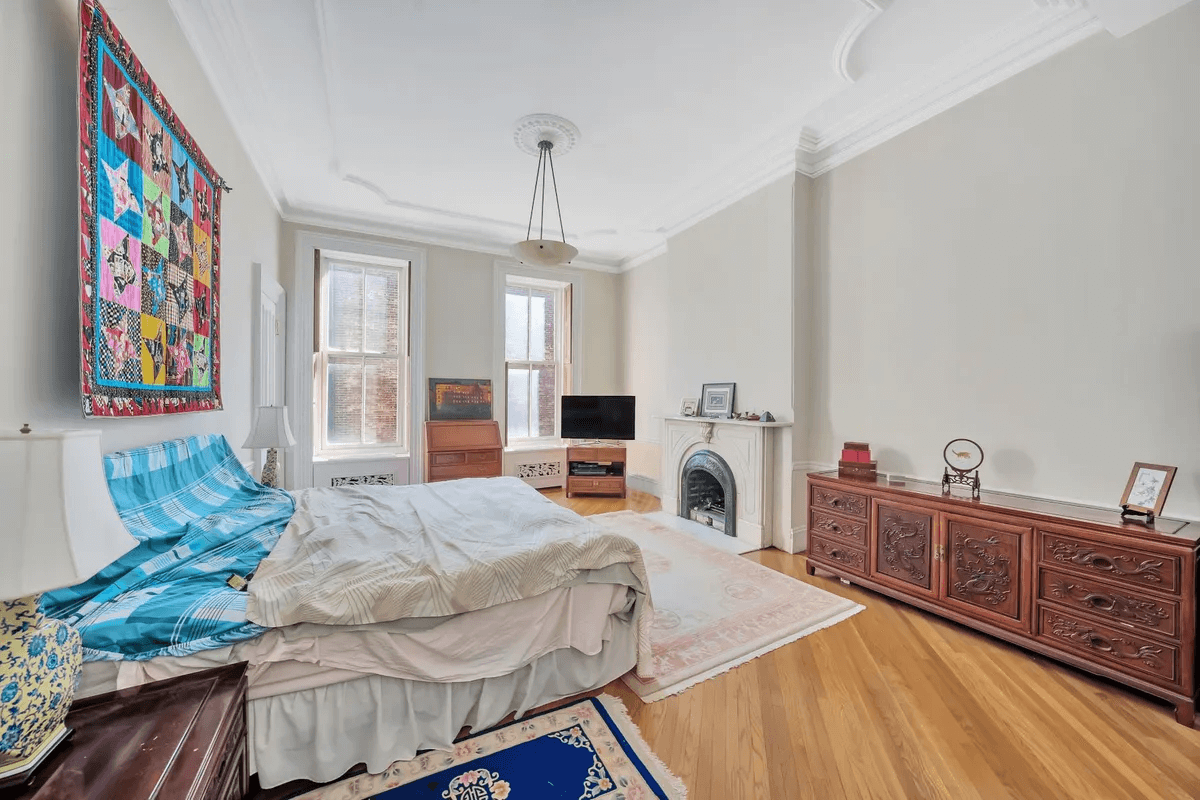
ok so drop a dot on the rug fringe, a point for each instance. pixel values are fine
(633, 735)
(688, 683)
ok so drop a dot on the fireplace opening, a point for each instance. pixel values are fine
(707, 492)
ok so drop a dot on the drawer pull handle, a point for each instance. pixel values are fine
(1098, 643)
(837, 501)
(835, 528)
(1100, 601)
(835, 553)
(1100, 562)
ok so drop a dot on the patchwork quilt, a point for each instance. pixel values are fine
(150, 207)
(199, 518)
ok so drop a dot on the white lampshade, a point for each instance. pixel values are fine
(270, 428)
(547, 252)
(59, 526)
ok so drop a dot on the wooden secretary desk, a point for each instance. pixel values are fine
(463, 449)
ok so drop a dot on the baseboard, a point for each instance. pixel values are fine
(641, 483)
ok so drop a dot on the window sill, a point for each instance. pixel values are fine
(345, 457)
(526, 447)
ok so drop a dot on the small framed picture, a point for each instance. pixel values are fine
(1146, 491)
(689, 406)
(716, 400)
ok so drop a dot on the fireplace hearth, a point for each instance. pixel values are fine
(708, 492)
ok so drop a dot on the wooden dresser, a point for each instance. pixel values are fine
(596, 469)
(1075, 583)
(463, 449)
(178, 739)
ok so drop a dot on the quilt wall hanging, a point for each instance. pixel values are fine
(150, 240)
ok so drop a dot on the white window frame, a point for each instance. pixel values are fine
(322, 447)
(570, 379)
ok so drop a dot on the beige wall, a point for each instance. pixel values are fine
(39, 318)
(1024, 270)
(459, 308)
(717, 306)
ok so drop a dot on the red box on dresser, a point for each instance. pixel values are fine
(1073, 583)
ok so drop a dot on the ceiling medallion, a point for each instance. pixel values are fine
(544, 135)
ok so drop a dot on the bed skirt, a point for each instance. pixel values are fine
(317, 734)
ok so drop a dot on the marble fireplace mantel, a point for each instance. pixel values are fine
(750, 448)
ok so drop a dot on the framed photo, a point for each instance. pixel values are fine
(716, 400)
(1146, 491)
(451, 398)
(689, 406)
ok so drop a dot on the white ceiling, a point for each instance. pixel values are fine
(397, 116)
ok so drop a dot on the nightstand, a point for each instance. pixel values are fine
(179, 739)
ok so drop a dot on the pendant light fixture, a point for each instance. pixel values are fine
(545, 134)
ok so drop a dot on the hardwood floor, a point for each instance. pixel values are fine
(897, 704)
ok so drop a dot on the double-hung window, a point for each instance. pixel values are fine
(537, 356)
(361, 363)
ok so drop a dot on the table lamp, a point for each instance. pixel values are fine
(270, 430)
(59, 528)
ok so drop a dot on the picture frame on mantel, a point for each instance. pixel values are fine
(716, 400)
(689, 406)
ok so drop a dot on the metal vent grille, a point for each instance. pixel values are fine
(386, 479)
(539, 469)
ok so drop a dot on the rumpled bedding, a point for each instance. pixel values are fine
(362, 555)
(199, 518)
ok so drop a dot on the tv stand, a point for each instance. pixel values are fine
(596, 469)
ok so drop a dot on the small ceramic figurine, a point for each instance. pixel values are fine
(766, 417)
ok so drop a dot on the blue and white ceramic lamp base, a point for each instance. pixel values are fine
(40, 659)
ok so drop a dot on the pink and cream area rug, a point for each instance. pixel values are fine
(714, 610)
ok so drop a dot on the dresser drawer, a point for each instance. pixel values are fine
(849, 503)
(840, 528)
(1125, 650)
(844, 556)
(483, 457)
(1129, 565)
(463, 471)
(1116, 604)
(606, 485)
(446, 459)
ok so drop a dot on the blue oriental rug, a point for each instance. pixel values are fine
(589, 750)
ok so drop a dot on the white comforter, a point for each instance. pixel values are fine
(356, 556)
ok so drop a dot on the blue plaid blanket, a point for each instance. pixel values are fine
(199, 518)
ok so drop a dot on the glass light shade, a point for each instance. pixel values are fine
(60, 526)
(270, 428)
(546, 252)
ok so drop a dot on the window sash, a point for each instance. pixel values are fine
(558, 364)
(395, 356)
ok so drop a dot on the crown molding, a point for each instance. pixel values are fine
(775, 160)
(189, 19)
(1049, 27)
(654, 252)
(455, 239)
(1034, 38)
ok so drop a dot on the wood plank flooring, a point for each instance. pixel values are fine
(895, 703)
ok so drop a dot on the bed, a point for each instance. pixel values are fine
(378, 621)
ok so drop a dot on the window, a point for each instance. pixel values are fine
(537, 362)
(361, 362)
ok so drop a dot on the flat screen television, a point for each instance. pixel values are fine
(597, 416)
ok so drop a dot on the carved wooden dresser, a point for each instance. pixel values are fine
(1071, 582)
